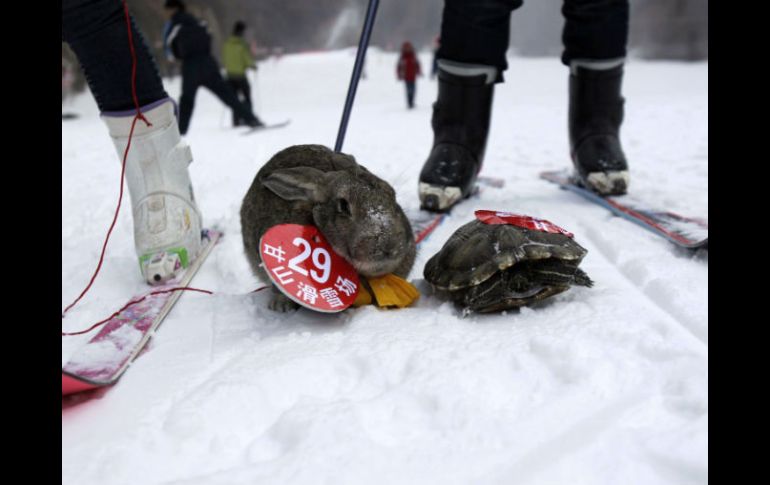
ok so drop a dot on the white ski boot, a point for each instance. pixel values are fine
(167, 222)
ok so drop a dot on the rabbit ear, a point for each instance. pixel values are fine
(298, 183)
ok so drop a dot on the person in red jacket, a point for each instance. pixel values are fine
(408, 69)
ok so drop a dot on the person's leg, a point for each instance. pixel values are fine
(190, 83)
(214, 82)
(408, 94)
(246, 92)
(476, 32)
(471, 59)
(595, 37)
(594, 30)
(410, 88)
(166, 218)
(96, 32)
(234, 85)
(243, 90)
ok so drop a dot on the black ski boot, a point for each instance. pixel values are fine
(595, 115)
(460, 125)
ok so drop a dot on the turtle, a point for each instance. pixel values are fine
(492, 267)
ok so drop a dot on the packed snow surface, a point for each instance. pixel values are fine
(607, 385)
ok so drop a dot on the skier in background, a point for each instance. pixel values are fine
(471, 60)
(188, 40)
(407, 70)
(237, 58)
(167, 221)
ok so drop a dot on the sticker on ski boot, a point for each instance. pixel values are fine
(527, 222)
(303, 265)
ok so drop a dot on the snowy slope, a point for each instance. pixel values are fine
(598, 386)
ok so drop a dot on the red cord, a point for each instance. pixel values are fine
(134, 302)
(133, 68)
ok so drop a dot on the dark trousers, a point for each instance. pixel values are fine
(204, 71)
(96, 32)
(242, 89)
(477, 31)
(410, 90)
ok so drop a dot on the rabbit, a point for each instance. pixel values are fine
(355, 210)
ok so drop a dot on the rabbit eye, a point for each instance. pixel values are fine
(343, 206)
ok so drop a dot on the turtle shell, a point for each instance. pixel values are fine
(489, 267)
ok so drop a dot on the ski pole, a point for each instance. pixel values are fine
(363, 43)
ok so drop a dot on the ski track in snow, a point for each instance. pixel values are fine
(595, 386)
(656, 293)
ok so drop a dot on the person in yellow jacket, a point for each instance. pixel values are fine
(236, 57)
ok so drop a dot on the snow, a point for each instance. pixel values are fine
(596, 386)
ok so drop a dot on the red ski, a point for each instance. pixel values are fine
(686, 232)
(104, 358)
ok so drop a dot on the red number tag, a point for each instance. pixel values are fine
(306, 269)
(527, 222)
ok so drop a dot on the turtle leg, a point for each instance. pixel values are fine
(582, 279)
(552, 272)
(508, 289)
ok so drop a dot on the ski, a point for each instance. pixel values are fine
(106, 356)
(423, 224)
(685, 232)
(271, 126)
